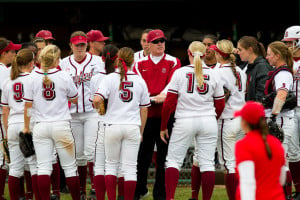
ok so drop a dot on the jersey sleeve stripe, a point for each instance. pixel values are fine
(173, 91)
(30, 100)
(283, 88)
(3, 104)
(101, 95)
(219, 97)
(145, 105)
(73, 97)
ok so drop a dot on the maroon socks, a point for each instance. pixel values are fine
(195, 181)
(82, 171)
(171, 180)
(55, 179)
(111, 184)
(74, 187)
(99, 183)
(208, 183)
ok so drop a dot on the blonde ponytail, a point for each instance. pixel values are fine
(197, 51)
(198, 69)
(48, 58)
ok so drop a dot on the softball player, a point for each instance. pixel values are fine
(260, 167)
(189, 88)
(7, 53)
(145, 46)
(234, 80)
(81, 66)
(292, 38)
(13, 118)
(281, 81)
(46, 95)
(127, 93)
(110, 55)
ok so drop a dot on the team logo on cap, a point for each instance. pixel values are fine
(164, 70)
(286, 34)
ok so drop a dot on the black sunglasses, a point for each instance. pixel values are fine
(161, 40)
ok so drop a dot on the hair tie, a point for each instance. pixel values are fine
(125, 68)
(197, 53)
(45, 73)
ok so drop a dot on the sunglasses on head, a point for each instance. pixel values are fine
(161, 40)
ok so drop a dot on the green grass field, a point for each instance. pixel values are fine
(182, 193)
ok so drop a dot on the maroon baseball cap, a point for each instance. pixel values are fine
(251, 112)
(96, 35)
(155, 34)
(47, 35)
(11, 46)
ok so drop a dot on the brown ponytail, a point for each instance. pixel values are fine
(126, 58)
(264, 131)
(21, 59)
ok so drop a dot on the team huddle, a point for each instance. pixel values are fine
(112, 111)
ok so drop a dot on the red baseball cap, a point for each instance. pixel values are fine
(155, 34)
(11, 46)
(78, 39)
(251, 112)
(96, 35)
(47, 35)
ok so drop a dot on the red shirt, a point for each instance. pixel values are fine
(267, 172)
(156, 76)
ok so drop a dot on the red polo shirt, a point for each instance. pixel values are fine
(156, 76)
(267, 172)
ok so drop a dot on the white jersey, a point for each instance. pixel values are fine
(296, 88)
(192, 100)
(124, 105)
(138, 55)
(12, 96)
(283, 80)
(49, 103)
(4, 74)
(95, 83)
(237, 92)
(81, 74)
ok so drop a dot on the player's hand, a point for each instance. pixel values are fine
(163, 135)
(160, 98)
(26, 130)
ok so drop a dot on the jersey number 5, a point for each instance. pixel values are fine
(190, 86)
(18, 92)
(126, 94)
(49, 92)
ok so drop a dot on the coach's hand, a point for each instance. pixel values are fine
(26, 130)
(163, 135)
(160, 98)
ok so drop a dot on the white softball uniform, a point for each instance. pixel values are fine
(285, 119)
(52, 115)
(195, 117)
(99, 152)
(4, 74)
(122, 122)
(12, 94)
(230, 127)
(84, 121)
(138, 55)
(296, 89)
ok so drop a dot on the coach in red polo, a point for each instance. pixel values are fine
(156, 69)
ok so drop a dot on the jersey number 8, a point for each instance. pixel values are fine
(49, 92)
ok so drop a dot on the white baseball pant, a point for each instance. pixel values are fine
(3, 164)
(49, 135)
(17, 160)
(204, 130)
(84, 129)
(100, 153)
(229, 129)
(121, 148)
